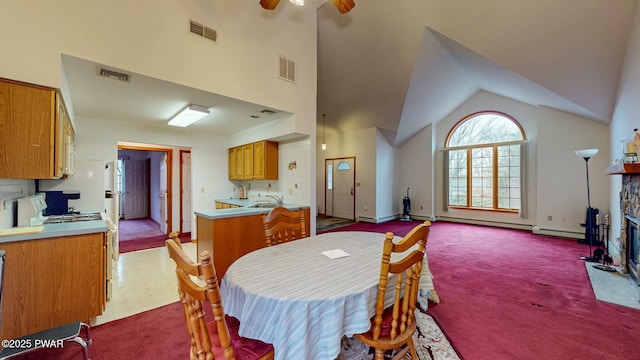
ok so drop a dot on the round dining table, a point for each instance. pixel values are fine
(304, 296)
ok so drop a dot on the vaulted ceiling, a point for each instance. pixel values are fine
(402, 65)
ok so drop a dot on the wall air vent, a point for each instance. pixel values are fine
(286, 69)
(267, 111)
(203, 31)
(113, 74)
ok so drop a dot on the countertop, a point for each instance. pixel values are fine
(241, 211)
(60, 230)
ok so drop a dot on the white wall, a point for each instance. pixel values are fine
(416, 172)
(561, 175)
(625, 119)
(386, 166)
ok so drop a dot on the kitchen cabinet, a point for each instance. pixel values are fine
(52, 281)
(232, 164)
(33, 124)
(255, 161)
(239, 163)
(265, 160)
(222, 205)
(248, 161)
(230, 238)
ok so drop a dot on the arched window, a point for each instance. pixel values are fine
(484, 157)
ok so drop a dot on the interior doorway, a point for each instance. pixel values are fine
(340, 181)
(146, 184)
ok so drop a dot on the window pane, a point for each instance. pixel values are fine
(458, 178)
(488, 174)
(484, 129)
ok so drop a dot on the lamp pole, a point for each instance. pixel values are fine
(587, 154)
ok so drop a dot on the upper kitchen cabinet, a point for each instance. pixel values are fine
(265, 160)
(232, 164)
(256, 161)
(33, 127)
(248, 161)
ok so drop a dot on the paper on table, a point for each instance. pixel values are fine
(335, 253)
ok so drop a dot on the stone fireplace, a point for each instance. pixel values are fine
(630, 217)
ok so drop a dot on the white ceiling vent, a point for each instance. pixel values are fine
(286, 69)
(113, 74)
(203, 31)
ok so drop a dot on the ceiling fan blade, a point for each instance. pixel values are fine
(269, 4)
(344, 6)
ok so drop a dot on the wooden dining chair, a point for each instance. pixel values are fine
(392, 328)
(218, 338)
(282, 225)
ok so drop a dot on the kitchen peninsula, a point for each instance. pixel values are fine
(230, 233)
(53, 277)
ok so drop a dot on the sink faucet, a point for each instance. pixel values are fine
(277, 198)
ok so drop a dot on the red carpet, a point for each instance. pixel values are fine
(510, 294)
(138, 228)
(155, 334)
(148, 243)
(505, 294)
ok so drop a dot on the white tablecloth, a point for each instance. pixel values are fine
(302, 302)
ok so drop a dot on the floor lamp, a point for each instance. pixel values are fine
(587, 154)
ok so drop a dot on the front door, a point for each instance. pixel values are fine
(341, 192)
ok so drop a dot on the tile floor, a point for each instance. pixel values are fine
(142, 280)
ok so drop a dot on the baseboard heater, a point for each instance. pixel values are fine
(558, 233)
(486, 223)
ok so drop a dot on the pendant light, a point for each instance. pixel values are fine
(324, 144)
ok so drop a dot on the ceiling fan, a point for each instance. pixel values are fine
(344, 6)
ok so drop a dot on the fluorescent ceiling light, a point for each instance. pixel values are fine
(189, 115)
(297, 2)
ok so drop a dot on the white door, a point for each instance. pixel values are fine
(163, 194)
(136, 196)
(187, 212)
(344, 188)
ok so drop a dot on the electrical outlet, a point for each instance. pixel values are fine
(420, 207)
(549, 218)
(202, 189)
(365, 208)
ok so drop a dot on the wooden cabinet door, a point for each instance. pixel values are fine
(239, 151)
(265, 160)
(232, 164)
(27, 136)
(258, 160)
(248, 161)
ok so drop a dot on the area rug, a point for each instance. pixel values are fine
(149, 242)
(429, 340)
